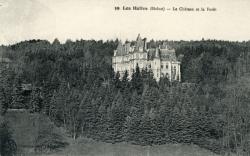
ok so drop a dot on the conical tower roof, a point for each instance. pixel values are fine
(138, 38)
(120, 49)
(139, 42)
(157, 53)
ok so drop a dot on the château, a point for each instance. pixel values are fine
(161, 60)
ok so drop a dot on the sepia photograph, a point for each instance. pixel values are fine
(124, 78)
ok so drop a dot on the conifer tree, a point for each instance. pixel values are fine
(136, 80)
(6, 83)
(87, 113)
(3, 102)
(137, 107)
(117, 81)
(116, 119)
(150, 99)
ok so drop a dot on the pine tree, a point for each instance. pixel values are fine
(3, 102)
(137, 81)
(150, 99)
(116, 119)
(125, 77)
(137, 107)
(133, 119)
(148, 78)
(87, 114)
(117, 81)
(6, 83)
(125, 82)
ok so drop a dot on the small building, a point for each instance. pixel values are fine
(4, 62)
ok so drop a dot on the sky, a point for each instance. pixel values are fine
(97, 19)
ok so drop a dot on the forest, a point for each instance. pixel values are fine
(73, 83)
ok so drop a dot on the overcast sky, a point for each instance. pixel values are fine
(97, 19)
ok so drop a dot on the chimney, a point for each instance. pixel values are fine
(145, 43)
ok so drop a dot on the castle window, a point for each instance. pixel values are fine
(161, 66)
(149, 66)
(167, 75)
(166, 66)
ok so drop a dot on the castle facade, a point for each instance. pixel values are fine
(161, 61)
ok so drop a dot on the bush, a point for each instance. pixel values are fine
(48, 141)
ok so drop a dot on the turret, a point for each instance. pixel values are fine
(139, 44)
(138, 37)
(157, 55)
(145, 43)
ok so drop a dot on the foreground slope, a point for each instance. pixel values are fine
(26, 126)
(87, 147)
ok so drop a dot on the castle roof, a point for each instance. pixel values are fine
(163, 51)
(151, 54)
(139, 42)
(163, 54)
(120, 49)
(168, 55)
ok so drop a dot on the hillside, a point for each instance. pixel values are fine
(74, 85)
(26, 127)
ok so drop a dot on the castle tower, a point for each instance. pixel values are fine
(156, 65)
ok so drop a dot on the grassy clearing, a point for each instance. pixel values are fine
(88, 147)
